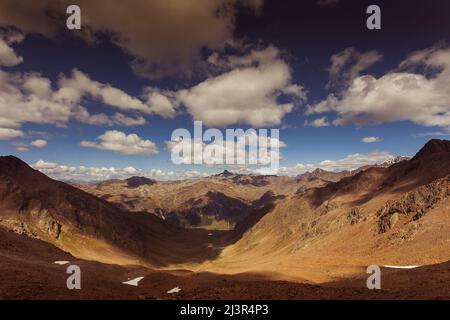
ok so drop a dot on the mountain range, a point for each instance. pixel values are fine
(310, 236)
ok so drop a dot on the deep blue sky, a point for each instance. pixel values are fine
(306, 33)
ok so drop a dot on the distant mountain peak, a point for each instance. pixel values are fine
(319, 171)
(393, 161)
(225, 173)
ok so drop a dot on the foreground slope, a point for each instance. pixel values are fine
(28, 271)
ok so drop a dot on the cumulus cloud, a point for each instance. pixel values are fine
(36, 101)
(246, 148)
(29, 97)
(318, 123)
(6, 134)
(244, 89)
(248, 93)
(350, 162)
(22, 148)
(370, 139)
(74, 88)
(162, 103)
(8, 58)
(84, 174)
(348, 64)
(164, 37)
(25, 146)
(39, 143)
(120, 142)
(401, 95)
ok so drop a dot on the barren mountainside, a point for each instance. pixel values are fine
(395, 215)
(218, 202)
(37, 206)
(326, 234)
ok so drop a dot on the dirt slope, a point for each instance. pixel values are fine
(27, 271)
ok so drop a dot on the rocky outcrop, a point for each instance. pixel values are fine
(326, 207)
(354, 216)
(414, 204)
(257, 181)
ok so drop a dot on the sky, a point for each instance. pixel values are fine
(102, 102)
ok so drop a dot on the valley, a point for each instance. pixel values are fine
(231, 236)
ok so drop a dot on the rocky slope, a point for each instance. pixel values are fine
(218, 202)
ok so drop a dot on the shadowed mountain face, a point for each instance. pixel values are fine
(39, 207)
(216, 203)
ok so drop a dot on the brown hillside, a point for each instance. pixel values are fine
(35, 205)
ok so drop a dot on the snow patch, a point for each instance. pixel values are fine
(133, 282)
(174, 290)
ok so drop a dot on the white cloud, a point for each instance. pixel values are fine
(397, 96)
(126, 121)
(247, 94)
(370, 139)
(161, 103)
(348, 64)
(318, 123)
(35, 101)
(120, 142)
(248, 91)
(22, 148)
(41, 165)
(7, 134)
(245, 142)
(74, 88)
(39, 143)
(82, 173)
(350, 162)
(8, 57)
